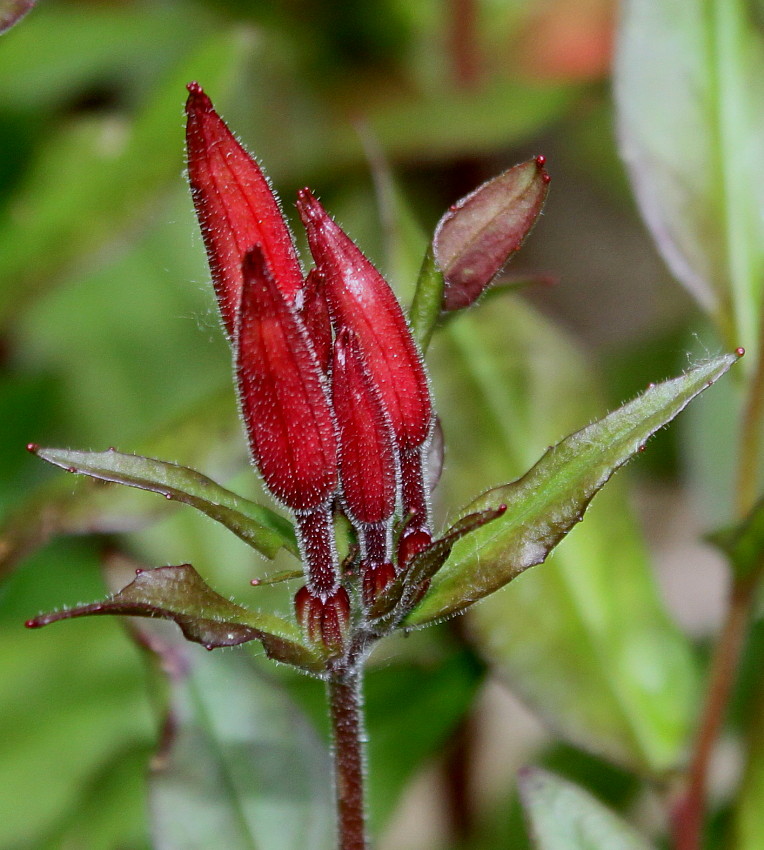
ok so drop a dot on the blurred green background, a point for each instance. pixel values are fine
(390, 110)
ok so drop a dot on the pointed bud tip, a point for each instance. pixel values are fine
(197, 99)
(34, 623)
(309, 207)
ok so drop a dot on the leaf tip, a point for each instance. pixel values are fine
(740, 351)
(33, 448)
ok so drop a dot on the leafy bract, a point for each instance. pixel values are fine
(208, 434)
(242, 768)
(562, 816)
(260, 527)
(585, 641)
(483, 230)
(688, 88)
(178, 593)
(551, 498)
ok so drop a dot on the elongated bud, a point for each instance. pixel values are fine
(314, 314)
(323, 621)
(235, 206)
(480, 233)
(367, 457)
(282, 394)
(360, 298)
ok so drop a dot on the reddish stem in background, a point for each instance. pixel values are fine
(344, 695)
(688, 814)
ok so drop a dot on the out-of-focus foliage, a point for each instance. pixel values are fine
(108, 337)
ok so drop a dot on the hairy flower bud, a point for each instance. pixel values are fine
(282, 392)
(314, 314)
(359, 298)
(236, 208)
(367, 458)
(323, 621)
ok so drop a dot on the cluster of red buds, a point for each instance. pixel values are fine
(331, 384)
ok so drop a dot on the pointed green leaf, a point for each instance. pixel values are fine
(585, 640)
(204, 616)
(562, 816)
(242, 769)
(208, 435)
(551, 498)
(260, 527)
(696, 152)
(482, 231)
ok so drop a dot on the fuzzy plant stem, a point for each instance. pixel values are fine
(346, 714)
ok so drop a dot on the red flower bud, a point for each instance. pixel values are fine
(282, 393)
(376, 579)
(360, 298)
(367, 458)
(323, 621)
(314, 314)
(236, 208)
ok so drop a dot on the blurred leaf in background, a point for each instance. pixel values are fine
(108, 336)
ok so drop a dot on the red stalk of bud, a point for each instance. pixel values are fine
(236, 208)
(282, 393)
(359, 298)
(367, 458)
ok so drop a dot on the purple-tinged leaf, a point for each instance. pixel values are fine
(479, 234)
(403, 591)
(260, 527)
(12, 11)
(552, 497)
(180, 594)
(562, 816)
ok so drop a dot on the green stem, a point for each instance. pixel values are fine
(346, 714)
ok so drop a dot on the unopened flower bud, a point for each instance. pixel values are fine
(360, 299)
(314, 315)
(282, 392)
(236, 207)
(376, 579)
(367, 457)
(323, 621)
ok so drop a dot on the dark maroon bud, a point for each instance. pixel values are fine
(376, 579)
(323, 621)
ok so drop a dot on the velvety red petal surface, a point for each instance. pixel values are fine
(359, 298)
(285, 405)
(236, 207)
(367, 458)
